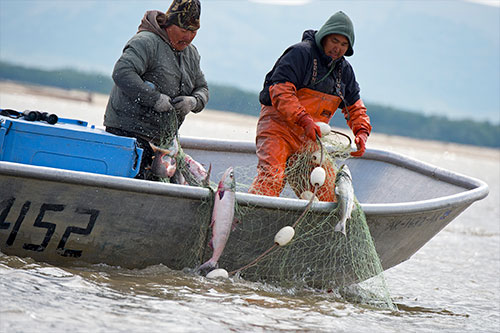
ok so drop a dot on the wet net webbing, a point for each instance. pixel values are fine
(317, 257)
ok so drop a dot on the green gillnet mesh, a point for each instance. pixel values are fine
(317, 257)
(183, 168)
(320, 258)
(168, 136)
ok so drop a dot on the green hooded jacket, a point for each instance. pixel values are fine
(338, 23)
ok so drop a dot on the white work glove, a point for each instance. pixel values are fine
(163, 104)
(184, 104)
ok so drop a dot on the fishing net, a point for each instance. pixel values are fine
(187, 169)
(317, 257)
(320, 258)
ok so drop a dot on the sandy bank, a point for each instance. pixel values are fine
(211, 123)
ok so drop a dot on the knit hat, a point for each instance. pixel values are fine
(185, 14)
(338, 23)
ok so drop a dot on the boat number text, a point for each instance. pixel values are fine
(6, 205)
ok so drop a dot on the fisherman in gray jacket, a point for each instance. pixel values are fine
(158, 79)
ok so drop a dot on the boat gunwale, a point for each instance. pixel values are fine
(474, 189)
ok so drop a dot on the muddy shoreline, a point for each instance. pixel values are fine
(209, 123)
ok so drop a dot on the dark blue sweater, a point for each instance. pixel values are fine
(305, 65)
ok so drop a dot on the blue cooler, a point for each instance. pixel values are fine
(68, 144)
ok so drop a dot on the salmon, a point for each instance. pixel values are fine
(222, 218)
(164, 162)
(201, 176)
(345, 197)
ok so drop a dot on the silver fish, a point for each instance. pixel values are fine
(178, 178)
(222, 218)
(164, 163)
(345, 197)
(199, 173)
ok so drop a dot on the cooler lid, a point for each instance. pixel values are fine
(67, 128)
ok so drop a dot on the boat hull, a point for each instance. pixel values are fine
(69, 218)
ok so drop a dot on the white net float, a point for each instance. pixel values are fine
(324, 128)
(284, 236)
(317, 157)
(318, 176)
(307, 195)
(218, 273)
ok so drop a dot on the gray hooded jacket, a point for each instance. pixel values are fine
(147, 56)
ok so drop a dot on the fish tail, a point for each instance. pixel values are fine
(158, 149)
(340, 227)
(208, 266)
(206, 181)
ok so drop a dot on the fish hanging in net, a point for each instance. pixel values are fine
(171, 164)
(317, 257)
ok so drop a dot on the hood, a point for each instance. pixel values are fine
(338, 23)
(154, 21)
(310, 35)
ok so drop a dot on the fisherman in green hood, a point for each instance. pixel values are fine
(307, 84)
(158, 80)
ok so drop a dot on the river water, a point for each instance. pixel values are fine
(451, 285)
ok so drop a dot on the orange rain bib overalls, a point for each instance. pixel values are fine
(279, 137)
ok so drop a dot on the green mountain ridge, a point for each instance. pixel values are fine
(384, 119)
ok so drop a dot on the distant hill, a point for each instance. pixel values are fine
(384, 119)
(435, 57)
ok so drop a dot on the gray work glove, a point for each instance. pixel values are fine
(163, 104)
(184, 104)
